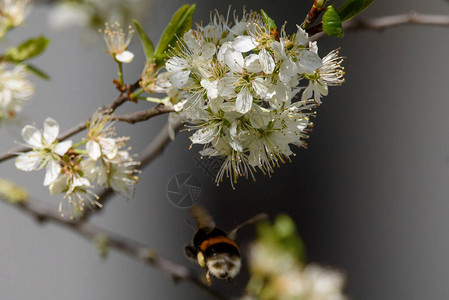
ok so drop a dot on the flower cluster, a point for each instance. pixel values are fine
(72, 170)
(12, 14)
(15, 91)
(284, 278)
(278, 270)
(242, 80)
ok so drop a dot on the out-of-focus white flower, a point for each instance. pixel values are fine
(241, 81)
(284, 277)
(69, 14)
(47, 152)
(13, 12)
(117, 42)
(15, 91)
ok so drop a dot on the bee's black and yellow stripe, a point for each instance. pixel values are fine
(215, 242)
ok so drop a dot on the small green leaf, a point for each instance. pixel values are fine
(147, 45)
(28, 49)
(36, 71)
(269, 22)
(332, 22)
(179, 24)
(352, 8)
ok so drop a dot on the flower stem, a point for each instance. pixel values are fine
(79, 144)
(120, 72)
(136, 94)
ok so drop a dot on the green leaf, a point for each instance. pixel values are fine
(179, 24)
(147, 45)
(332, 22)
(28, 49)
(36, 71)
(352, 8)
(269, 22)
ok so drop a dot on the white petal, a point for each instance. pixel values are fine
(287, 70)
(308, 62)
(260, 87)
(58, 186)
(222, 51)
(211, 88)
(252, 63)
(244, 43)
(203, 136)
(234, 60)
(302, 37)
(176, 64)
(28, 161)
(307, 92)
(109, 147)
(266, 61)
(191, 41)
(226, 87)
(125, 57)
(93, 150)
(53, 170)
(179, 79)
(236, 145)
(63, 147)
(32, 136)
(80, 182)
(208, 50)
(51, 130)
(244, 101)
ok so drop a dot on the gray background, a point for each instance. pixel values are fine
(370, 195)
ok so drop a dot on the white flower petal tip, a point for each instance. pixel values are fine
(32, 136)
(244, 43)
(125, 57)
(51, 130)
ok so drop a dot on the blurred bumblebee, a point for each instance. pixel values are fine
(214, 249)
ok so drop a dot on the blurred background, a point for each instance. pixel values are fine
(369, 195)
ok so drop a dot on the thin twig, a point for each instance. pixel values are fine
(144, 114)
(129, 118)
(387, 22)
(43, 212)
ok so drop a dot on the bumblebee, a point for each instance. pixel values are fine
(214, 249)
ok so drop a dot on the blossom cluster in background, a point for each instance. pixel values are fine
(278, 269)
(244, 82)
(12, 14)
(15, 90)
(73, 169)
(94, 13)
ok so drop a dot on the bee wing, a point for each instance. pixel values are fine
(203, 218)
(233, 233)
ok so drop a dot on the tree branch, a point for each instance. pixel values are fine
(43, 212)
(386, 22)
(129, 118)
(144, 114)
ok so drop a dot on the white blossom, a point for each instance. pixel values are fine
(117, 42)
(15, 91)
(47, 152)
(13, 12)
(241, 80)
